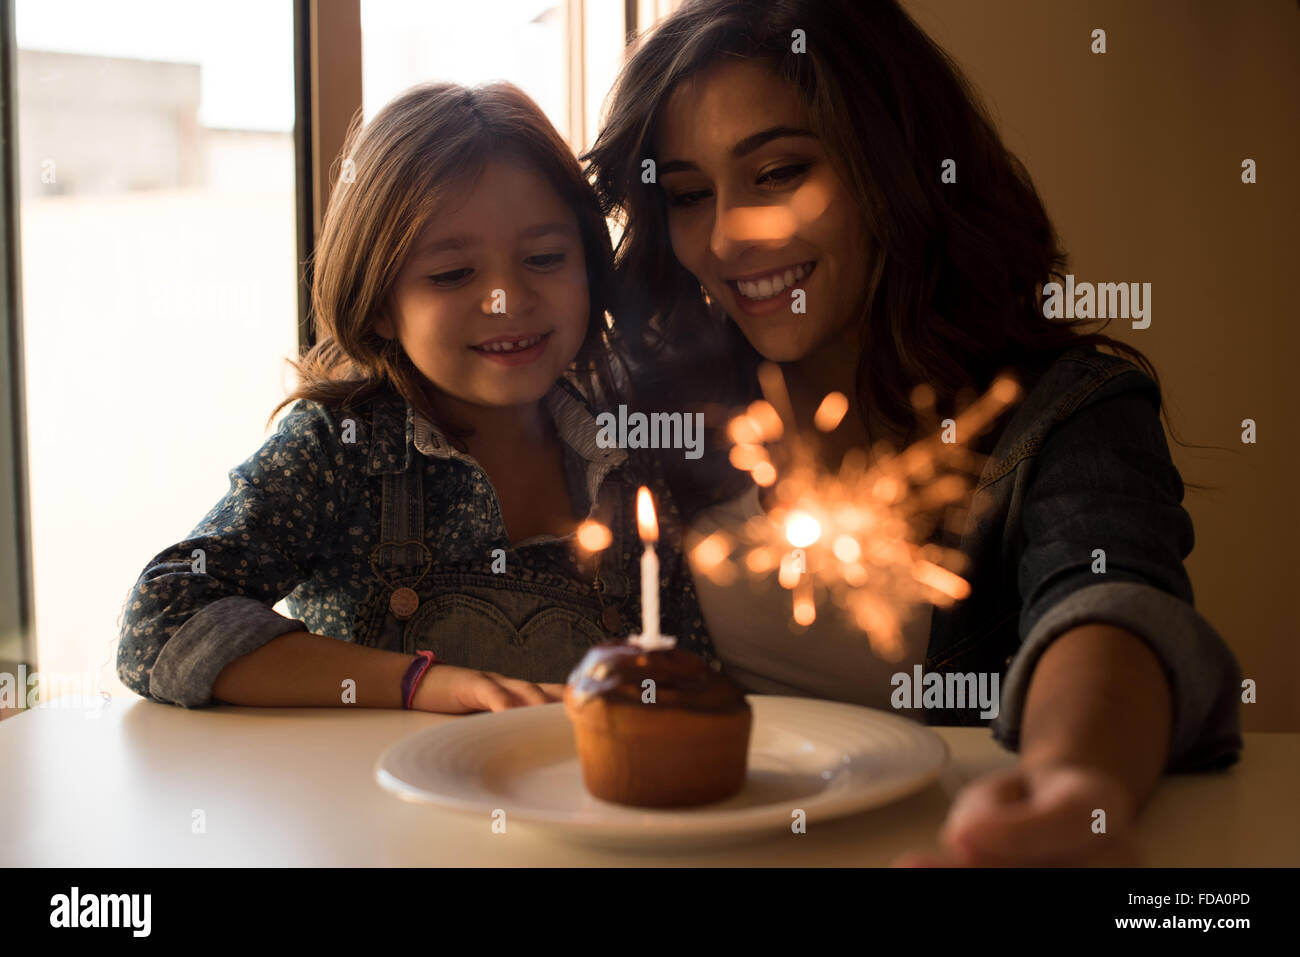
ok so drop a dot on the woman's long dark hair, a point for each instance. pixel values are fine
(956, 293)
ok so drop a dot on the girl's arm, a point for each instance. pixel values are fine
(207, 600)
(198, 626)
(299, 669)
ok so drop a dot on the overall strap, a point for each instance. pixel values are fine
(402, 524)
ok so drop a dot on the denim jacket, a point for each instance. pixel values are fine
(341, 508)
(1081, 463)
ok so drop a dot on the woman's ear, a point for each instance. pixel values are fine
(384, 326)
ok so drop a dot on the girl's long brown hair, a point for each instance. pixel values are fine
(956, 295)
(423, 147)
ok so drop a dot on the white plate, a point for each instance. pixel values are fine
(828, 758)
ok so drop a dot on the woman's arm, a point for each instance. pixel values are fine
(1098, 698)
(1101, 538)
(1095, 736)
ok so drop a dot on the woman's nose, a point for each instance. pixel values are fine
(722, 243)
(738, 228)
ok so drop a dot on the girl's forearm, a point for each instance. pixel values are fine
(1099, 697)
(300, 669)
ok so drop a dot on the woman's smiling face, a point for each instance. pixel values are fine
(756, 211)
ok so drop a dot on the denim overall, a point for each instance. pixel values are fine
(522, 623)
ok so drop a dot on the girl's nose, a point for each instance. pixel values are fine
(512, 298)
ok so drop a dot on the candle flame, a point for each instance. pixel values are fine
(646, 523)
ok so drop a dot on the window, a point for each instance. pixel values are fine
(157, 213)
(563, 53)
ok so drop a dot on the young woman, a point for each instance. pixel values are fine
(806, 150)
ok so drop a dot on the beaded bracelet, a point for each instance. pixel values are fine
(414, 672)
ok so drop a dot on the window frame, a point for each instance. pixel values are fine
(327, 97)
(17, 615)
(327, 101)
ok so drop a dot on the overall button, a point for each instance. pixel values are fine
(404, 602)
(611, 619)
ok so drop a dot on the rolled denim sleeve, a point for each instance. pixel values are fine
(206, 600)
(1104, 480)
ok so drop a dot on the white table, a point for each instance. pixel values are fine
(296, 787)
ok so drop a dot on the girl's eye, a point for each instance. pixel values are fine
(450, 278)
(546, 259)
(687, 199)
(784, 174)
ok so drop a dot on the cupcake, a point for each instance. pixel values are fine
(680, 741)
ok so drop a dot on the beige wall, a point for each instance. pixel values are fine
(1137, 154)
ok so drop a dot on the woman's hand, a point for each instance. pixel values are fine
(1036, 815)
(1094, 736)
(452, 690)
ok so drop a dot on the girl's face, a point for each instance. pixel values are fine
(756, 212)
(492, 303)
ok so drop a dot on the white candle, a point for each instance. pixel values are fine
(650, 593)
(648, 527)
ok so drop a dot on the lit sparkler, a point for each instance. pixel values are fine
(857, 534)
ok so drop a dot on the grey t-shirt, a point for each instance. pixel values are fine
(765, 652)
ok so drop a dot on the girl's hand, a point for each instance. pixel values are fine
(452, 690)
(1036, 815)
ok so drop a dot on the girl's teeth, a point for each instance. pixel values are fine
(510, 346)
(771, 286)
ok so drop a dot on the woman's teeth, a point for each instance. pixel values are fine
(504, 346)
(775, 284)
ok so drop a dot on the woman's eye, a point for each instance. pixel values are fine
(784, 173)
(450, 278)
(547, 259)
(687, 199)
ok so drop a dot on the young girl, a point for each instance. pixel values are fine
(422, 494)
(801, 147)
